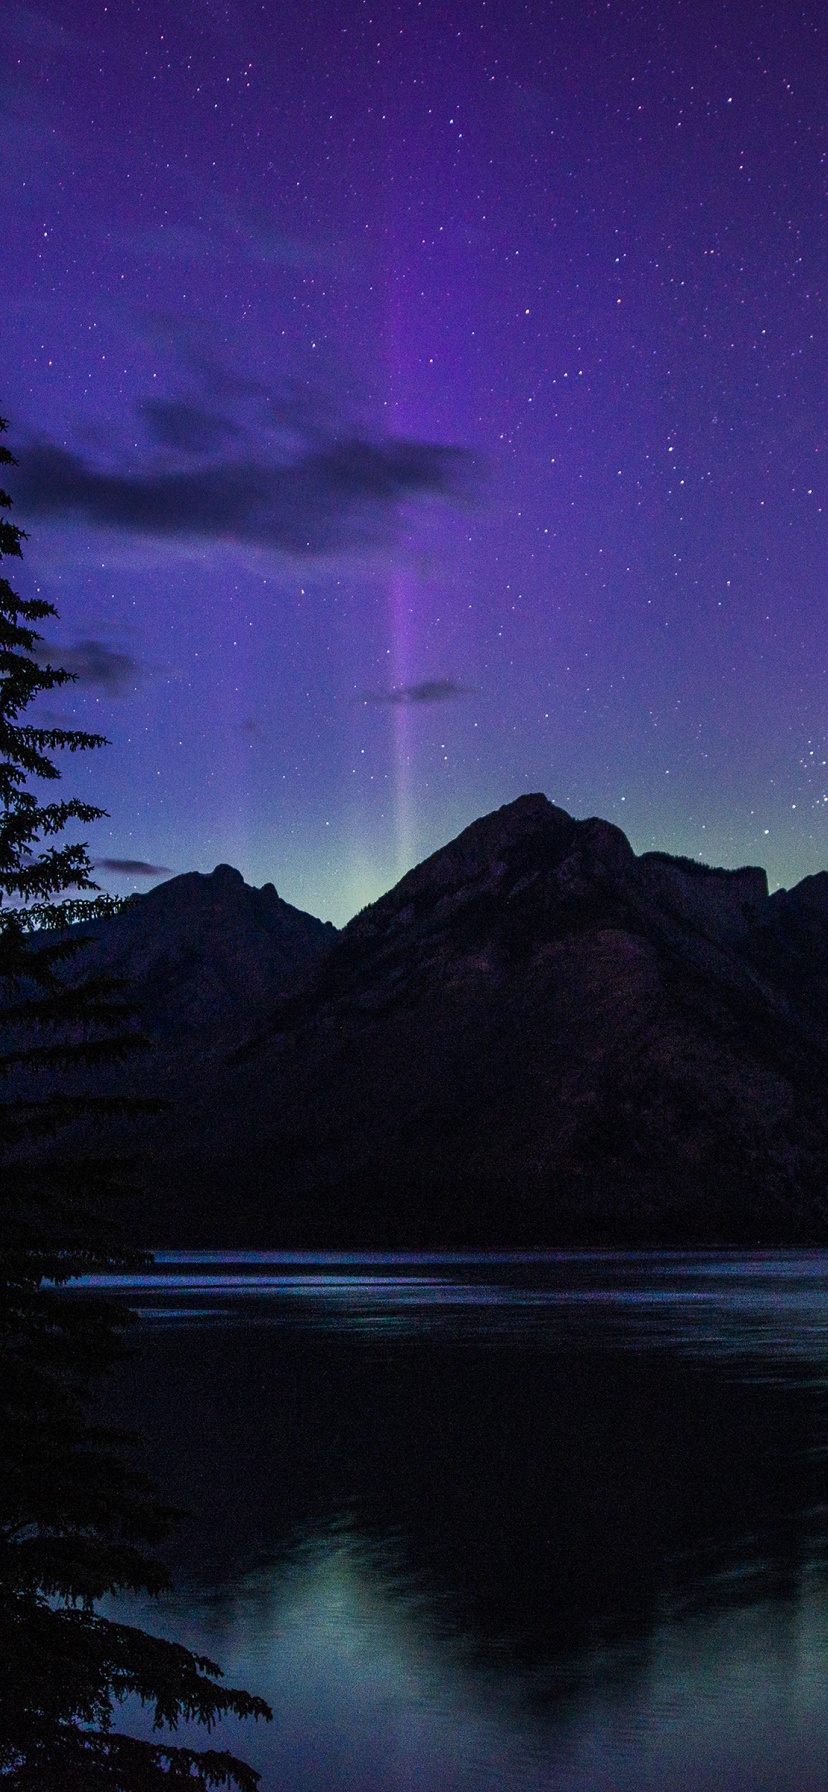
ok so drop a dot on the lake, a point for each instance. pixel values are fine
(514, 1521)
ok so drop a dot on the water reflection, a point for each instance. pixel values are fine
(518, 1521)
(368, 1694)
(761, 1306)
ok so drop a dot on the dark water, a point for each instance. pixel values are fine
(506, 1522)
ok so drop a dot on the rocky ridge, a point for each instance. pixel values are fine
(536, 1037)
(206, 957)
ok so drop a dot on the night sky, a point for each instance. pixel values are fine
(419, 404)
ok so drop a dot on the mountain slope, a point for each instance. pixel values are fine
(205, 956)
(536, 1037)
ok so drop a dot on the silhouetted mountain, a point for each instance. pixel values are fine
(206, 957)
(536, 1037)
(789, 944)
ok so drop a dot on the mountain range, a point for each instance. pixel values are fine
(537, 1037)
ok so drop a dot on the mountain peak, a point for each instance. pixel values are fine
(537, 1036)
(207, 950)
(489, 853)
(228, 875)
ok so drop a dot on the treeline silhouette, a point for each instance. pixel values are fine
(77, 1520)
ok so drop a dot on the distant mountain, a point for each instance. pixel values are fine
(536, 1037)
(206, 957)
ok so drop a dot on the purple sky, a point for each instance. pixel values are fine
(420, 404)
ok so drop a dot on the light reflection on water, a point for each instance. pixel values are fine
(761, 1306)
(368, 1696)
(376, 1686)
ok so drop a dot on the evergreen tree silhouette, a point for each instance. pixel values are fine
(76, 1519)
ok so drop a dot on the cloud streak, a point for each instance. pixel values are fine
(93, 663)
(432, 690)
(341, 492)
(132, 867)
(186, 427)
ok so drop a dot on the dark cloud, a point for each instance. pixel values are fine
(186, 426)
(132, 867)
(331, 495)
(55, 718)
(432, 690)
(93, 663)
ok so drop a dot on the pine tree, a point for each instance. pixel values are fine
(76, 1519)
